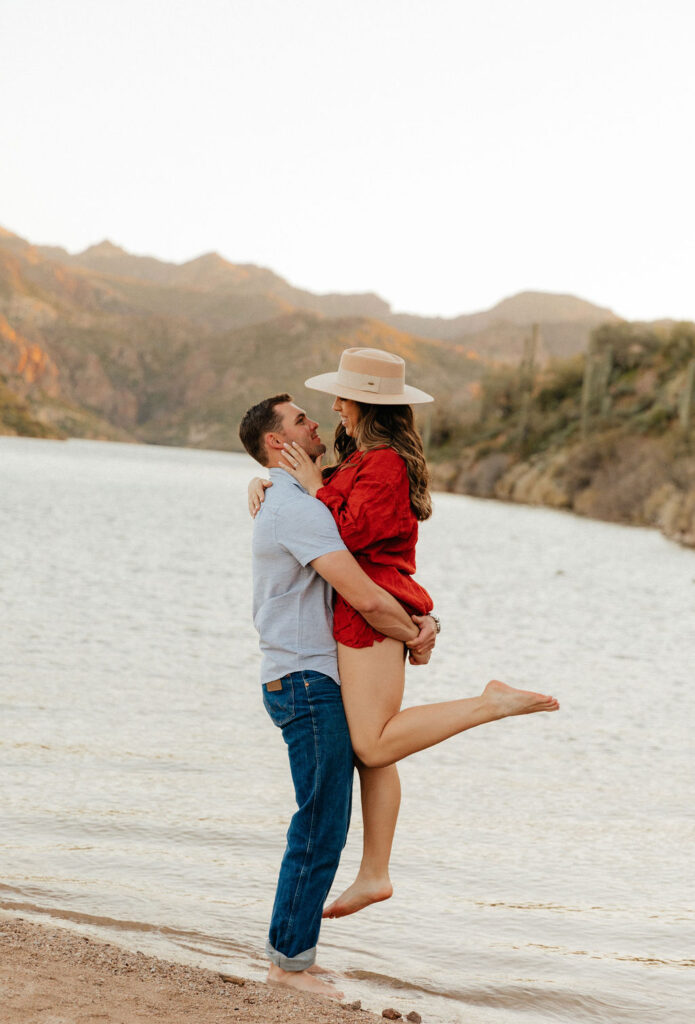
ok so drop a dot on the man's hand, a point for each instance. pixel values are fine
(257, 488)
(422, 646)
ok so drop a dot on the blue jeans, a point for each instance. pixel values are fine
(309, 710)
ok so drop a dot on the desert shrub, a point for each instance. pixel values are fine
(631, 344)
(501, 394)
(564, 381)
(445, 425)
(679, 347)
(625, 383)
(16, 417)
(652, 419)
(484, 449)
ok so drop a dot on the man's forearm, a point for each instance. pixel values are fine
(381, 610)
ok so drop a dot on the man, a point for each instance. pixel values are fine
(298, 557)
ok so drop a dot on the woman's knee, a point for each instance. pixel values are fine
(369, 754)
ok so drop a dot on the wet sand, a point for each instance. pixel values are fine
(50, 975)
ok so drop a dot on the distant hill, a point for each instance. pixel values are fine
(175, 353)
(235, 295)
(218, 381)
(211, 273)
(565, 323)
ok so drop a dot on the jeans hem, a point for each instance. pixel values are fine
(300, 962)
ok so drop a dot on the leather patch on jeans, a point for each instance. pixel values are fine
(274, 686)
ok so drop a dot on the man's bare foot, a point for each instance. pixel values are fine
(303, 981)
(507, 700)
(359, 895)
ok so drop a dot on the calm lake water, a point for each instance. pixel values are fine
(543, 866)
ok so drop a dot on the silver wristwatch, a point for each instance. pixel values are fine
(437, 623)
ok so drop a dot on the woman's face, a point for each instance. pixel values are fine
(349, 413)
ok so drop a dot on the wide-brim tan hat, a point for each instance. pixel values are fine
(369, 375)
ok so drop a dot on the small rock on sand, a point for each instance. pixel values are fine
(391, 1014)
(414, 1017)
(357, 1005)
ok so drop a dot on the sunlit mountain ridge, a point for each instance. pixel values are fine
(175, 353)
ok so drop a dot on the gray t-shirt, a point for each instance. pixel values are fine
(292, 604)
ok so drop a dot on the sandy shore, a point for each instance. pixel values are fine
(50, 975)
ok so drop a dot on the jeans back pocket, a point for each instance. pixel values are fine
(280, 703)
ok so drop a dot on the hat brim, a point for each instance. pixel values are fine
(329, 383)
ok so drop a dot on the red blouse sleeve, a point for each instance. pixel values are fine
(376, 504)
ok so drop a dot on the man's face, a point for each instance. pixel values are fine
(296, 426)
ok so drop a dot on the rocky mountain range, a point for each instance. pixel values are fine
(108, 344)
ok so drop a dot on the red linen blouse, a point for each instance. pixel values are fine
(369, 498)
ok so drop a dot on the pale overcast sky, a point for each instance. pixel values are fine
(444, 153)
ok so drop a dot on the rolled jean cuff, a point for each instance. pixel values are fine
(300, 962)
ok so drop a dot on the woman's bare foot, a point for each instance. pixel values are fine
(506, 700)
(303, 981)
(359, 895)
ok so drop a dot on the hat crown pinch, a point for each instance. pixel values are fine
(372, 362)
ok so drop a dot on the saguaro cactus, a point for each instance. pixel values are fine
(597, 373)
(687, 402)
(527, 377)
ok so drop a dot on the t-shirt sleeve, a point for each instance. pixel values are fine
(307, 529)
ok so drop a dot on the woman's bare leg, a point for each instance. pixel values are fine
(380, 789)
(373, 680)
(381, 734)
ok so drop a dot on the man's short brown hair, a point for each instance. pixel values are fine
(257, 422)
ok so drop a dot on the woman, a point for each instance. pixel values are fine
(377, 493)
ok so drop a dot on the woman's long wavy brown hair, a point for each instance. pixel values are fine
(392, 426)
